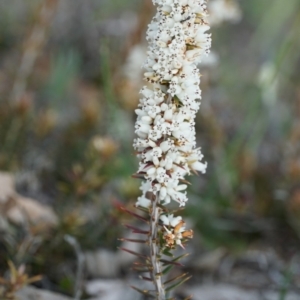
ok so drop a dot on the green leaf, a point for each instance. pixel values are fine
(170, 262)
(178, 283)
(167, 269)
(176, 278)
(167, 252)
(180, 257)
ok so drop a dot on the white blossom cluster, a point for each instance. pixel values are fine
(175, 231)
(165, 126)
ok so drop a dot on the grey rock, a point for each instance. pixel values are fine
(26, 209)
(102, 263)
(221, 292)
(31, 293)
(107, 264)
(113, 290)
(7, 187)
(276, 295)
(231, 292)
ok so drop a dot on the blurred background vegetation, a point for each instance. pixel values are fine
(69, 81)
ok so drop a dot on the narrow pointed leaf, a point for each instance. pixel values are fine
(176, 278)
(178, 283)
(141, 264)
(171, 262)
(136, 230)
(167, 269)
(134, 240)
(185, 181)
(134, 214)
(138, 176)
(180, 257)
(146, 278)
(140, 269)
(167, 253)
(143, 292)
(195, 172)
(143, 209)
(178, 165)
(134, 253)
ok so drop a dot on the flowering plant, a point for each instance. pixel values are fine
(165, 128)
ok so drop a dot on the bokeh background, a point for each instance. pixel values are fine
(70, 73)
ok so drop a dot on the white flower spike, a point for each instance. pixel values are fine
(165, 124)
(165, 127)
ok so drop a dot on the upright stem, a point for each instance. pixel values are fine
(156, 272)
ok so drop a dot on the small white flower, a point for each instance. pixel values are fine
(170, 220)
(154, 155)
(143, 201)
(145, 187)
(199, 166)
(166, 145)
